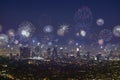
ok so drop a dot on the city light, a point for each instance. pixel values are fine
(60, 40)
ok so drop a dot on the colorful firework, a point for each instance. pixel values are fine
(83, 15)
(11, 33)
(100, 41)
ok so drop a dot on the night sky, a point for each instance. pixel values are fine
(56, 13)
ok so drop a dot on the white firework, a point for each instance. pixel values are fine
(26, 29)
(100, 22)
(116, 31)
(3, 39)
(63, 29)
(48, 29)
(25, 33)
(83, 33)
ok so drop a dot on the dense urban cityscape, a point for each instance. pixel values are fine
(59, 40)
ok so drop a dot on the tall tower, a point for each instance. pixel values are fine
(24, 52)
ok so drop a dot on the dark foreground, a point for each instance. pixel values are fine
(51, 70)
